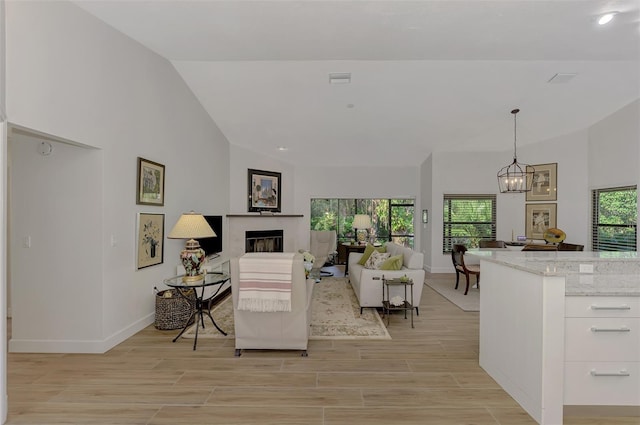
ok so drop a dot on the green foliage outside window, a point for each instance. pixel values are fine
(467, 220)
(615, 218)
(391, 219)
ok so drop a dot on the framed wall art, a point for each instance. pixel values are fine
(545, 182)
(150, 240)
(264, 191)
(150, 187)
(538, 218)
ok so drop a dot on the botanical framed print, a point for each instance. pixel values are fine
(150, 187)
(539, 218)
(150, 240)
(264, 191)
(545, 182)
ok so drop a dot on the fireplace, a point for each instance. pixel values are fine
(264, 241)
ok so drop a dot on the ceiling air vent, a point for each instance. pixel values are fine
(561, 78)
(340, 78)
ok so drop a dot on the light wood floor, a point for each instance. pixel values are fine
(426, 375)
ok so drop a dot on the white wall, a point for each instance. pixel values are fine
(77, 78)
(354, 182)
(604, 155)
(475, 173)
(466, 173)
(241, 161)
(51, 232)
(614, 150)
(3, 222)
(427, 230)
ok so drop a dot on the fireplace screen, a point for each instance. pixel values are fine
(264, 241)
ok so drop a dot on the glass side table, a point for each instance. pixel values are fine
(387, 306)
(200, 305)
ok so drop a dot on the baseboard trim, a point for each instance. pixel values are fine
(79, 346)
(596, 411)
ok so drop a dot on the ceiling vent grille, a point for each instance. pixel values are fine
(561, 78)
(340, 78)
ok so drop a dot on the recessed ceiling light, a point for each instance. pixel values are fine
(340, 78)
(606, 18)
(283, 148)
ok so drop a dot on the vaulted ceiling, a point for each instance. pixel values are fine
(425, 76)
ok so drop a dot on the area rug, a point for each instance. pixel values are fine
(445, 286)
(335, 314)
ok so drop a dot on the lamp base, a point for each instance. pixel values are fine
(190, 280)
(192, 258)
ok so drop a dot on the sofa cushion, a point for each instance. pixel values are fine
(393, 248)
(376, 259)
(367, 252)
(413, 259)
(392, 263)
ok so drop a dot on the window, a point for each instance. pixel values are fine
(391, 219)
(402, 212)
(614, 219)
(467, 219)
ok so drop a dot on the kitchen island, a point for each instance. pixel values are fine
(561, 329)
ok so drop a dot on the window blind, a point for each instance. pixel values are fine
(614, 218)
(467, 219)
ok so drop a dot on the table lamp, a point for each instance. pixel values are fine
(190, 226)
(361, 222)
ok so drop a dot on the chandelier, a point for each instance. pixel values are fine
(515, 177)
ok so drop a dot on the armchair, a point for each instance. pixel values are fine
(274, 330)
(323, 244)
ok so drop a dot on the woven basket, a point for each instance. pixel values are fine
(173, 312)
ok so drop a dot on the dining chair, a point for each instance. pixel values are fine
(491, 244)
(457, 256)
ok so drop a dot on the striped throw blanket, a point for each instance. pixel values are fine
(264, 283)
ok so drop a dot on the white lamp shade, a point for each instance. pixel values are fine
(191, 226)
(361, 221)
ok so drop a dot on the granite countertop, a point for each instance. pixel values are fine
(587, 273)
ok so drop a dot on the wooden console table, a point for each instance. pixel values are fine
(348, 248)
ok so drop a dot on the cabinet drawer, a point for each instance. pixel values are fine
(602, 306)
(602, 339)
(602, 383)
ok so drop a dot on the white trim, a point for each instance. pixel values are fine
(71, 346)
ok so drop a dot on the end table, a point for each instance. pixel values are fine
(200, 305)
(387, 307)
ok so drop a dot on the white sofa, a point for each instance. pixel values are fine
(278, 330)
(367, 283)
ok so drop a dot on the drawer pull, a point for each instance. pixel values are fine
(620, 329)
(621, 373)
(613, 307)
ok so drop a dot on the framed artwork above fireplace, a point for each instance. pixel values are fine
(264, 191)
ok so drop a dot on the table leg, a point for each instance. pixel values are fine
(214, 323)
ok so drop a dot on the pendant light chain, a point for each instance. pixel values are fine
(515, 133)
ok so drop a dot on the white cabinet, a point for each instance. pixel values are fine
(602, 351)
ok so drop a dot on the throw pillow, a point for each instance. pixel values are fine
(376, 259)
(367, 253)
(392, 263)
